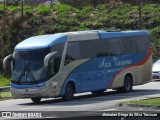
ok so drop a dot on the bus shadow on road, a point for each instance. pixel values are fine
(95, 98)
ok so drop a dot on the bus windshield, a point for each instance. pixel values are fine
(28, 66)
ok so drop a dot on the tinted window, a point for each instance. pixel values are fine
(143, 43)
(129, 45)
(87, 49)
(101, 48)
(115, 46)
(79, 50)
(54, 65)
(55, 60)
(22, 55)
(38, 54)
(73, 50)
(58, 47)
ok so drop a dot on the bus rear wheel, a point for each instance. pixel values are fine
(36, 100)
(128, 85)
(69, 92)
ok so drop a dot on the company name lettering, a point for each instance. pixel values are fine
(104, 64)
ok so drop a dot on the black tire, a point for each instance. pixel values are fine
(36, 100)
(69, 92)
(128, 85)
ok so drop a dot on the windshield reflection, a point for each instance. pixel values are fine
(29, 66)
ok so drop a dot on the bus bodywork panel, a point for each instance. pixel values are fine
(104, 34)
(42, 41)
(141, 72)
(48, 89)
(90, 74)
(104, 73)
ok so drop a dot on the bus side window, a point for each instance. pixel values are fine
(115, 46)
(87, 49)
(58, 47)
(51, 67)
(101, 48)
(143, 43)
(55, 61)
(54, 65)
(72, 53)
(129, 45)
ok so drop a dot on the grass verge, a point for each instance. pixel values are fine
(5, 95)
(152, 101)
(4, 81)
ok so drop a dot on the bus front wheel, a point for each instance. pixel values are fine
(69, 92)
(36, 100)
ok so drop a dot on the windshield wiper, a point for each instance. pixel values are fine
(26, 68)
(31, 74)
(23, 73)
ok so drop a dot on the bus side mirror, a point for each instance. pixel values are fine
(5, 60)
(47, 58)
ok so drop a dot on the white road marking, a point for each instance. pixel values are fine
(109, 110)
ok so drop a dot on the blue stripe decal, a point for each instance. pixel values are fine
(27, 86)
(97, 73)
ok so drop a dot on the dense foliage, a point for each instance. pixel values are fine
(62, 18)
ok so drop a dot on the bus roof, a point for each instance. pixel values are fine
(111, 34)
(43, 41)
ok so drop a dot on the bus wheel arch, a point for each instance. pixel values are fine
(127, 84)
(70, 89)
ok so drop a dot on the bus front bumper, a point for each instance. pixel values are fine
(41, 92)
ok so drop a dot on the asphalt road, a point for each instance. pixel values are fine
(85, 102)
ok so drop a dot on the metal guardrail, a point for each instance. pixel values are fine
(5, 89)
